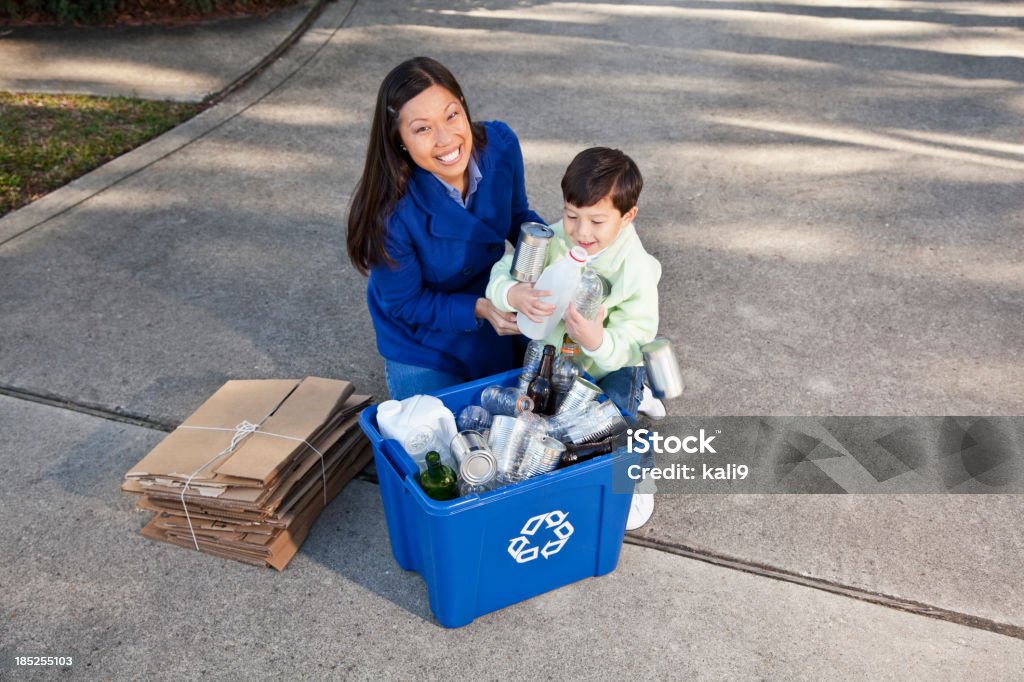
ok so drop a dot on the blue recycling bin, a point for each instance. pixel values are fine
(481, 553)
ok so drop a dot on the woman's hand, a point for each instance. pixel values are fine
(527, 300)
(588, 333)
(503, 323)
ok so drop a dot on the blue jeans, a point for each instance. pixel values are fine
(404, 381)
(625, 388)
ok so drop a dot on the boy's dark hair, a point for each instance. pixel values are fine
(601, 172)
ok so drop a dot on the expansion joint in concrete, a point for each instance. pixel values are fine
(765, 571)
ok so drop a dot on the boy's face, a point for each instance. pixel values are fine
(595, 227)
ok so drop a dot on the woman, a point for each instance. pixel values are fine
(438, 198)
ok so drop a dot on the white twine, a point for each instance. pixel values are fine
(243, 429)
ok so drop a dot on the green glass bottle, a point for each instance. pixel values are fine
(438, 481)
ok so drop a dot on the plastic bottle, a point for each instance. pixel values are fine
(467, 488)
(531, 359)
(505, 400)
(473, 417)
(560, 278)
(589, 294)
(438, 481)
(531, 363)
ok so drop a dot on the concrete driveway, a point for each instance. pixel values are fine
(834, 191)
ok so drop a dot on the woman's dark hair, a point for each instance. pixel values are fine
(600, 172)
(388, 167)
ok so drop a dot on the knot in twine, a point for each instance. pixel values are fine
(241, 431)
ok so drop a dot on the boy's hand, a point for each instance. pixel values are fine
(527, 300)
(588, 333)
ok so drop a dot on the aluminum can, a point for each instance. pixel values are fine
(542, 455)
(579, 394)
(599, 421)
(477, 466)
(528, 261)
(663, 374)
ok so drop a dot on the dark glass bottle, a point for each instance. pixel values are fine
(584, 451)
(541, 392)
(565, 368)
(438, 481)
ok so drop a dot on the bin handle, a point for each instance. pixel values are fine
(399, 461)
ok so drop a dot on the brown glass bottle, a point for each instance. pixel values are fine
(584, 451)
(540, 389)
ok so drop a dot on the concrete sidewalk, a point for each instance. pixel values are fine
(834, 195)
(183, 63)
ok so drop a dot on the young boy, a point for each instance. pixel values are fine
(600, 189)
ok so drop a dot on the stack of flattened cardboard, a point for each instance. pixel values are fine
(243, 476)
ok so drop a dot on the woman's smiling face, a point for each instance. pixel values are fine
(436, 133)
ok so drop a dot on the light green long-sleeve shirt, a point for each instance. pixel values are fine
(631, 309)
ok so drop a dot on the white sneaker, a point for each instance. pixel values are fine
(640, 510)
(651, 406)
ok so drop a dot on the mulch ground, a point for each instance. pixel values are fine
(171, 12)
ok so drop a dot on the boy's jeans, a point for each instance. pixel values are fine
(625, 388)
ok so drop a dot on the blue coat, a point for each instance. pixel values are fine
(423, 309)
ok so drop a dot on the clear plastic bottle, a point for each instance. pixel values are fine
(531, 359)
(467, 488)
(473, 417)
(589, 294)
(505, 400)
(560, 278)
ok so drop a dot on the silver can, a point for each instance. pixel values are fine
(663, 374)
(600, 421)
(477, 466)
(543, 454)
(528, 261)
(579, 394)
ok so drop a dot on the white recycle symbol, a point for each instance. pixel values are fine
(520, 548)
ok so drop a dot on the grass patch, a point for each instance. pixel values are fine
(46, 141)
